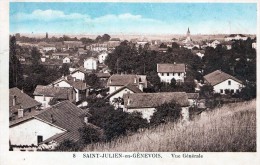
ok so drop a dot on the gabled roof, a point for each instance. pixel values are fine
(218, 76)
(171, 68)
(78, 84)
(22, 100)
(50, 91)
(80, 69)
(122, 80)
(130, 87)
(102, 75)
(153, 100)
(64, 115)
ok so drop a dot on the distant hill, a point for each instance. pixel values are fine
(231, 128)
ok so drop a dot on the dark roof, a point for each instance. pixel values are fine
(50, 91)
(80, 69)
(193, 95)
(176, 68)
(218, 76)
(22, 100)
(152, 100)
(234, 35)
(130, 87)
(122, 80)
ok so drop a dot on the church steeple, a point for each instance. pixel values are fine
(188, 32)
(188, 35)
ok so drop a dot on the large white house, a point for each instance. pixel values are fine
(79, 73)
(117, 81)
(54, 124)
(223, 83)
(146, 103)
(235, 37)
(90, 63)
(167, 72)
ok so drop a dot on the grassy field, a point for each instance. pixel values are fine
(231, 128)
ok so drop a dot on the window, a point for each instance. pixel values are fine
(237, 91)
(167, 74)
(229, 82)
(232, 91)
(179, 74)
(162, 74)
(44, 99)
(39, 139)
(221, 90)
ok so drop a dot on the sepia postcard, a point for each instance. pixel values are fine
(129, 82)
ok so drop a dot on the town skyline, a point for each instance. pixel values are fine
(133, 18)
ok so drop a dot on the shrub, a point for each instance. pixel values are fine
(90, 134)
(68, 145)
(166, 112)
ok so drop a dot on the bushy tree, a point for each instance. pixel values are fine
(165, 113)
(90, 134)
(92, 80)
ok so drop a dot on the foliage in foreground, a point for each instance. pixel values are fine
(231, 128)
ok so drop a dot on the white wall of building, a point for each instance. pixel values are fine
(225, 85)
(26, 133)
(44, 100)
(78, 75)
(102, 57)
(146, 112)
(90, 64)
(66, 60)
(167, 78)
(114, 88)
(119, 94)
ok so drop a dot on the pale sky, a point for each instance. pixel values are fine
(133, 18)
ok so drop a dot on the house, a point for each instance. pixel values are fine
(213, 44)
(52, 125)
(199, 53)
(90, 63)
(113, 42)
(20, 104)
(146, 103)
(167, 72)
(102, 57)
(79, 73)
(235, 37)
(223, 83)
(117, 81)
(82, 89)
(59, 55)
(72, 44)
(227, 44)
(66, 60)
(47, 48)
(44, 94)
(115, 97)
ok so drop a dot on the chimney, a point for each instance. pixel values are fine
(14, 100)
(20, 113)
(52, 119)
(86, 119)
(135, 81)
(128, 100)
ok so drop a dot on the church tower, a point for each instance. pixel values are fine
(188, 35)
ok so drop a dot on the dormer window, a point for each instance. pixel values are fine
(229, 82)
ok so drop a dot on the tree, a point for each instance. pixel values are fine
(92, 80)
(105, 37)
(155, 80)
(64, 70)
(36, 56)
(165, 113)
(90, 134)
(175, 45)
(206, 91)
(15, 69)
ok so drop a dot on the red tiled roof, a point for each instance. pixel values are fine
(153, 100)
(171, 68)
(218, 76)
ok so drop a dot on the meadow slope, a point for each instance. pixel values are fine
(231, 128)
